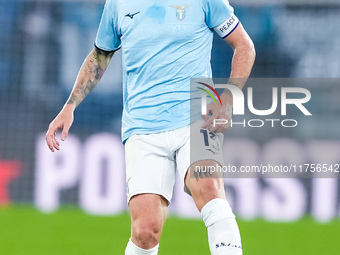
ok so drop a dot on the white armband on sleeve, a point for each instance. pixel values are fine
(227, 27)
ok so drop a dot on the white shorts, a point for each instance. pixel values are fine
(151, 160)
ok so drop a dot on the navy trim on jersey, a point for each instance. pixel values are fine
(231, 30)
(106, 51)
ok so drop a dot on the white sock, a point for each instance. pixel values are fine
(223, 233)
(132, 249)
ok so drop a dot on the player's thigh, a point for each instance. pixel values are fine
(199, 153)
(150, 169)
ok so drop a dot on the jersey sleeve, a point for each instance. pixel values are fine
(107, 35)
(219, 15)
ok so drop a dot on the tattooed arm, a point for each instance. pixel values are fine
(88, 77)
(242, 63)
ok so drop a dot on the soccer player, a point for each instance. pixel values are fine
(164, 44)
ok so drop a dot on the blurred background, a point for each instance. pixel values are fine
(73, 201)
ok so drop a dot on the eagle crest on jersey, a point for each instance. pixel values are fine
(180, 10)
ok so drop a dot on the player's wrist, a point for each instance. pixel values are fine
(69, 107)
(227, 92)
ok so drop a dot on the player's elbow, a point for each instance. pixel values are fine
(249, 48)
(245, 47)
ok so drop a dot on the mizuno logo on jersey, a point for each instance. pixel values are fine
(180, 10)
(131, 15)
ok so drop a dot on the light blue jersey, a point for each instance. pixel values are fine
(164, 44)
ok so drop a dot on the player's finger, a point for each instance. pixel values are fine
(221, 128)
(65, 131)
(210, 120)
(209, 110)
(208, 123)
(50, 136)
(55, 143)
(205, 117)
(216, 129)
(54, 140)
(49, 141)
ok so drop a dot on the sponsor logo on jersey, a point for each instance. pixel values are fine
(180, 10)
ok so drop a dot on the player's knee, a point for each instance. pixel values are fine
(147, 238)
(148, 235)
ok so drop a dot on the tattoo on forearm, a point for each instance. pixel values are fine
(227, 91)
(90, 74)
(80, 92)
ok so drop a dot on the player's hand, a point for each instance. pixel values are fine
(63, 121)
(219, 112)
